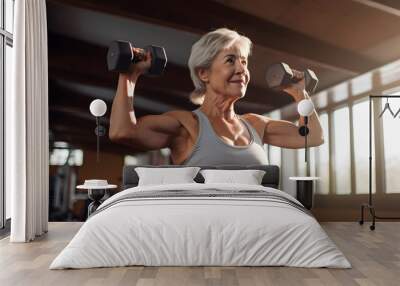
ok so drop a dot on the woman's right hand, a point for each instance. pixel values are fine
(136, 69)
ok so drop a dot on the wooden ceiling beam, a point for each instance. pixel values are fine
(262, 32)
(387, 6)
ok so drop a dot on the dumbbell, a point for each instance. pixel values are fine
(120, 56)
(281, 75)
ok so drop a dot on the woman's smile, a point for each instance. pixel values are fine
(239, 81)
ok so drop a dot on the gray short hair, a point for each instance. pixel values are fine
(204, 51)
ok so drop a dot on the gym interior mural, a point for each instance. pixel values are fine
(87, 55)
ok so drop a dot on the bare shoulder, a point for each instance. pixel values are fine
(178, 114)
(183, 143)
(259, 122)
(187, 121)
(256, 119)
(185, 118)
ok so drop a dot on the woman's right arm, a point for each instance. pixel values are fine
(146, 133)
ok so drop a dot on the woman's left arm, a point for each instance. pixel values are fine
(285, 134)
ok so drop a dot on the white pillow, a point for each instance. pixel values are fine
(162, 176)
(249, 177)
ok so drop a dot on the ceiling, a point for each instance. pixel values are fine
(337, 39)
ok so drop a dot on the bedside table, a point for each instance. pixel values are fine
(304, 190)
(96, 190)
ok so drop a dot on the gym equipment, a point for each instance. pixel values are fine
(120, 56)
(280, 75)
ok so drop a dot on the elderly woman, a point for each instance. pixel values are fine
(213, 134)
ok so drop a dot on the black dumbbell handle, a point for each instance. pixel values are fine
(297, 75)
(138, 55)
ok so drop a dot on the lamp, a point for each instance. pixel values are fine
(304, 185)
(305, 108)
(97, 188)
(98, 108)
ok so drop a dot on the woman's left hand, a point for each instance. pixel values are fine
(297, 90)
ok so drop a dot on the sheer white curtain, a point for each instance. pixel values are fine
(27, 124)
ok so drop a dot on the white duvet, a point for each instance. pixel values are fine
(183, 231)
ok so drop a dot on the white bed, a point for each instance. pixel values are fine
(224, 225)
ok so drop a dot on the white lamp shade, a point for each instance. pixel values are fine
(98, 107)
(305, 107)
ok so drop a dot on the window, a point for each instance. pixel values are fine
(391, 140)
(6, 60)
(340, 92)
(390, 72)
(9, 15)
(361, 147)
(300, 159)
(143, 158)
(301, 163)
(341, 151)
(59, 157)
(130, 160)
(322, 158)
(361, 84)
(274, 153)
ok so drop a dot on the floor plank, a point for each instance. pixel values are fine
(375, 257)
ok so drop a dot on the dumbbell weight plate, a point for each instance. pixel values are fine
(278, 75)
(311, 80)
(158, 60)
(119, 56)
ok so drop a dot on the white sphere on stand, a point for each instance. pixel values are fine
(305, 107)
(98, 107)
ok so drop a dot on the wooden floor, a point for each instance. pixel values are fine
(375, 256)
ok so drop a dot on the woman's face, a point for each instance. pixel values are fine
(228, 74)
